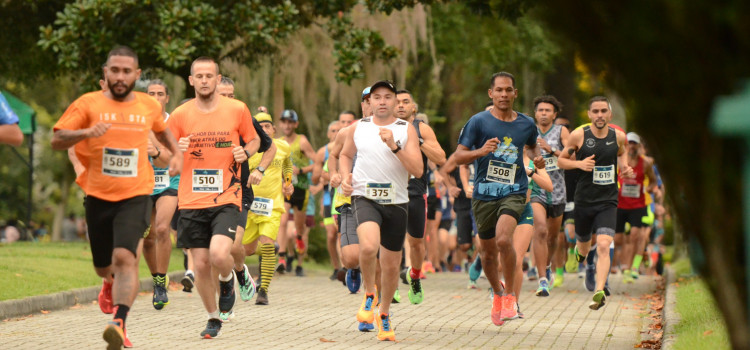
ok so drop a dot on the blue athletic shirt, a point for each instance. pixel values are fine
(513, 137)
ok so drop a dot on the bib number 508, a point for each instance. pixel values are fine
(500, 171)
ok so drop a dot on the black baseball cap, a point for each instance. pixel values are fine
(383, 83)
(289, 114)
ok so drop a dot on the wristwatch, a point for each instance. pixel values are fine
(248, 154)
(261, 169)
(398, 148)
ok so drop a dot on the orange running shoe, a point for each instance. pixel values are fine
(509, 310)
(116, 336)
(427, 266)
(495, 314)
(365, 313)
(105, 298)
(385, 329)
(300, 245)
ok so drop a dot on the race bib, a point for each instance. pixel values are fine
(208, 180)
(120, 162)
(604, 175)
(161, 179)
(381, 193)
(504, 173)
(550, 162)
(631, 190)
(262, 206)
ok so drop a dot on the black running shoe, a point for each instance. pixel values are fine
(160, 292)
(188, 282)
(213, 329)
(262, 298)
(227, 296)
(334, 275)
(403, 276)
(299, 271)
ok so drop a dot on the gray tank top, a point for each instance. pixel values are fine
(556, 174)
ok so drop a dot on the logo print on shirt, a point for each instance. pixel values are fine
(197, 153)
(610, 142)
(590, 143)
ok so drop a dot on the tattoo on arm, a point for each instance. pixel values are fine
(571, 151)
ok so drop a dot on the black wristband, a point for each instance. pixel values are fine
(158, 153)
(247, 154)
(398, 148)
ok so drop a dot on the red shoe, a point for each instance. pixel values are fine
(495, 314)
(105, 298)
(300, 245)
(509, 309)
(116, 336)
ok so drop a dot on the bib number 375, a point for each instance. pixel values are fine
(381, 193)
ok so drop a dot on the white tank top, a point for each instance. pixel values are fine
(378, 174)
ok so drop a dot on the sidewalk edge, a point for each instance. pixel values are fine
(671, 316)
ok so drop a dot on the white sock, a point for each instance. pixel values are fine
(189, 272)
(214, 314)
(225, 279)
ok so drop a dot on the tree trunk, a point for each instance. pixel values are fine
(60, 210)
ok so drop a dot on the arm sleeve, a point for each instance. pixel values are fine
(286, 167)
(265, 140)
(7, 116)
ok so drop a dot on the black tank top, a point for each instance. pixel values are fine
(418, 185)
(598, 186)
(461, 202)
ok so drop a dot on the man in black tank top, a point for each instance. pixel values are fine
(430, 148)
(598, 148)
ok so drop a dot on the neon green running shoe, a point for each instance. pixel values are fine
(415, 288)
(598, 300)
(558, 281)
(396, 297)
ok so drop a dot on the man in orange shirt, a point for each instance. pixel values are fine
(209, 128)
(114, 126)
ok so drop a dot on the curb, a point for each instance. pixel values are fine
(61, 300)
(671, 316)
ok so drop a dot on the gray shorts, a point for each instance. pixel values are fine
(347, 225)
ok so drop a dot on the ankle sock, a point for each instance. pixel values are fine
(414, 273)
(121, 312)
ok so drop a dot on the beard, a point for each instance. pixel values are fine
(206, 96)
(122, 95)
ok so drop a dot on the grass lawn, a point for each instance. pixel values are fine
(701, 326)
(29, 268)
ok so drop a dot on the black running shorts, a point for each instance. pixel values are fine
(464, 226)
(597, 219)
(197, 226)
(298, 199)
(433, 206)
(632, 216)
(116, 225)
(391, 218)
(417, 215)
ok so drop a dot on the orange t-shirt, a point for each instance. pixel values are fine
(210, 176)
(117, 165)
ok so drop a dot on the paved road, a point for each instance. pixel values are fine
(313, 312)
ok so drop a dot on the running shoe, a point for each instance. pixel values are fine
(281, 268)
(334, 275)
(105, 298)
(590, 281)
(262, 298)
(415, 289)
(160, 292)
(341, 276)
(226, 316)
(532, 275)
(365, 327)
(579, 258)
(258, 282)
(475, 269)
(116, 336)
(581, 270)
(598, 300)
(247, 291)
(188, 282)
(353, 280)
(472, 285)
(397, 297)
(385, 330)
(571, 265)
(365, 313)
(403, 273)
(548, 273)
(627, 277)
(299, 271)
(226, 295)
(518, 310)
(427, 267)
(607, 292)
(456, 268)
(558, 281)
(543, 290)
(496, 312)
(634, 274)
(550, 279)
(508, 311)
(213, 329)
(289, 264)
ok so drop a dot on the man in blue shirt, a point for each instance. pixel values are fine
(495, 141)
(10, 133)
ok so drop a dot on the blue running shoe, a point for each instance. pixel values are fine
(590, 281)
(475, 269)
(532, 274)
(365, 327)
(353, 280)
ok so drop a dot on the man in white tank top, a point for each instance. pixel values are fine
(387, 152)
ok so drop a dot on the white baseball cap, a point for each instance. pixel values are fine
(633, 137)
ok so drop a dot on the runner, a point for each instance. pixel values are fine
(319, 174)
(209, 128)
(548, 206)
(10, 132)
(246, 282)
(114, 126)
(157, 245)
(387, 150)
(632, 207)
(267, 207)
(301, 153)
(499, 195)
(406, 109)
(598, 148)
